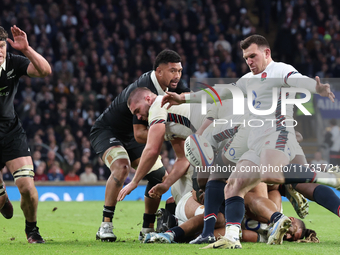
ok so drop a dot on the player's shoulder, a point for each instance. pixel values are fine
(13, 58)
(280, 66)
(144, 80)
(158, 101)
(247, 75)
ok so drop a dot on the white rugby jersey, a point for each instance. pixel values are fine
(260, 87)
(180, 120)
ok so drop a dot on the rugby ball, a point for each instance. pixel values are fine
(198, 151)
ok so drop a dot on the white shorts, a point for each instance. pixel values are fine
(238, 145)
(180, 208)
(279, 140)
(182, 186)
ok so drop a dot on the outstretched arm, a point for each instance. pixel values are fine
(315, 86)
(39, 67)
(218, 92)
(149, 156)
(179, 169)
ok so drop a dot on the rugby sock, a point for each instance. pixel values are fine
(30, 226)
(148, 220)
(214, 195)
(275, 217)
(282, 190)
(326, 197)
(108, 212)
(295, 173)
(2, 189)
(178, 233)
(234, 211)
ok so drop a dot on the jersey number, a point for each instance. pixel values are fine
(256, 104)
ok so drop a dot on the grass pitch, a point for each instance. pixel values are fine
(71, 229)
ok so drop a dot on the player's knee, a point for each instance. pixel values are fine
(26, 186)
(114, 157)
(235, 187)
(121, 171)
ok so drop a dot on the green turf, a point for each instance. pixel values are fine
(72, 227)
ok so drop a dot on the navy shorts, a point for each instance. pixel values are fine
(101, 139)
(14, 145)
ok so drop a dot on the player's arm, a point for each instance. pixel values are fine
(222, 92)
(205, 124)
(295, 79)
(140, 132)
(180, 167)
(39, 67)
(149, 156)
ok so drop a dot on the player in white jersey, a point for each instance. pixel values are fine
(174, 125)
(272, 144)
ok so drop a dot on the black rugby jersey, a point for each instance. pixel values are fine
(118, 116)
(16, 66)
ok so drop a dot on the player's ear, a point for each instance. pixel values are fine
(267, 52)
(159, 71)
(147, 98)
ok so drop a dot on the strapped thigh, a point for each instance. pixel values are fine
(24, 171)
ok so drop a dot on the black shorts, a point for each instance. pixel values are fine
(101, 139)
(14, 145)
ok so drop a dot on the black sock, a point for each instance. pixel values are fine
(326, 197)
(178, 233)
(275, 217)
(295, 173)
(30, 226)
(282, 190)
(148, 219)
(108, 212)
(214, 195)
(234, 210)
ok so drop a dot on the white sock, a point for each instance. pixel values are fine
(328, 179)
(232, 232)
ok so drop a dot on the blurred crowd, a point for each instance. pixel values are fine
(97, 48)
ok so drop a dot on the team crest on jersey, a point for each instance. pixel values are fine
(10, 73)
(268, 142)
(263, 76)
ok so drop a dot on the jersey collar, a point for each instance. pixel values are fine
(156, 84)
(3, 66)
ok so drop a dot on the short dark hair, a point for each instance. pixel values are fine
(3, 34)
(259, 40)
(137, 91)
(166, 56)
(89, 165)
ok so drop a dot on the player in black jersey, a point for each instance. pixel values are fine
(14, 150)
(117, 135)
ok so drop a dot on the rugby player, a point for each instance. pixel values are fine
(172, 124)
(117, 135)
(274, 145)
(15, 153)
